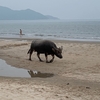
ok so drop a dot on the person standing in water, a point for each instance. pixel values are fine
(20, 32)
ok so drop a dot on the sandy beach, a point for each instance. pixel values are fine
(75, 77)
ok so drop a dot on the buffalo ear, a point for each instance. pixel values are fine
(61, 48)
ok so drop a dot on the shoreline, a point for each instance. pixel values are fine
(55, 40)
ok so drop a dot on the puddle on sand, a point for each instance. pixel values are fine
(9, 71)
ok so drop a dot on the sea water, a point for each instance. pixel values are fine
(51, 29)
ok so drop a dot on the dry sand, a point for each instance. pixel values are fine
(76, 76)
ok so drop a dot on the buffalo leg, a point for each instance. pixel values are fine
(46, 56)
(38, 55)
(31, 51)
(52, 58)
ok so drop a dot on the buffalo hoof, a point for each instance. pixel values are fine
(41, 61)
(51, 61)
(30, 59)
(47, 61)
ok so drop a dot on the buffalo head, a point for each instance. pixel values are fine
(58, 51)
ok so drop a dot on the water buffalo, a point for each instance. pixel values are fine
(45, 47)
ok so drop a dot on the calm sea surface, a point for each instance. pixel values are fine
(58, 29)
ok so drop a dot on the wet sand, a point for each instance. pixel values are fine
(75, 77)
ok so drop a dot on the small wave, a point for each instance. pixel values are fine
(39, 35)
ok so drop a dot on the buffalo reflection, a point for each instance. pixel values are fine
(39, 74)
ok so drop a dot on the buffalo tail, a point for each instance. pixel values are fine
(28, 51)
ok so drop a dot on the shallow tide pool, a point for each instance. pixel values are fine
(10, 71)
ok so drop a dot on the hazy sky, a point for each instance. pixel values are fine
(63, 9)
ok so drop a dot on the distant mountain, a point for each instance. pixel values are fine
(28, 14)
(51, 17)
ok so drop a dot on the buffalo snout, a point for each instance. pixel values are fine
(59, 56)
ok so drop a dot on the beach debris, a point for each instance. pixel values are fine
(39, 74)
